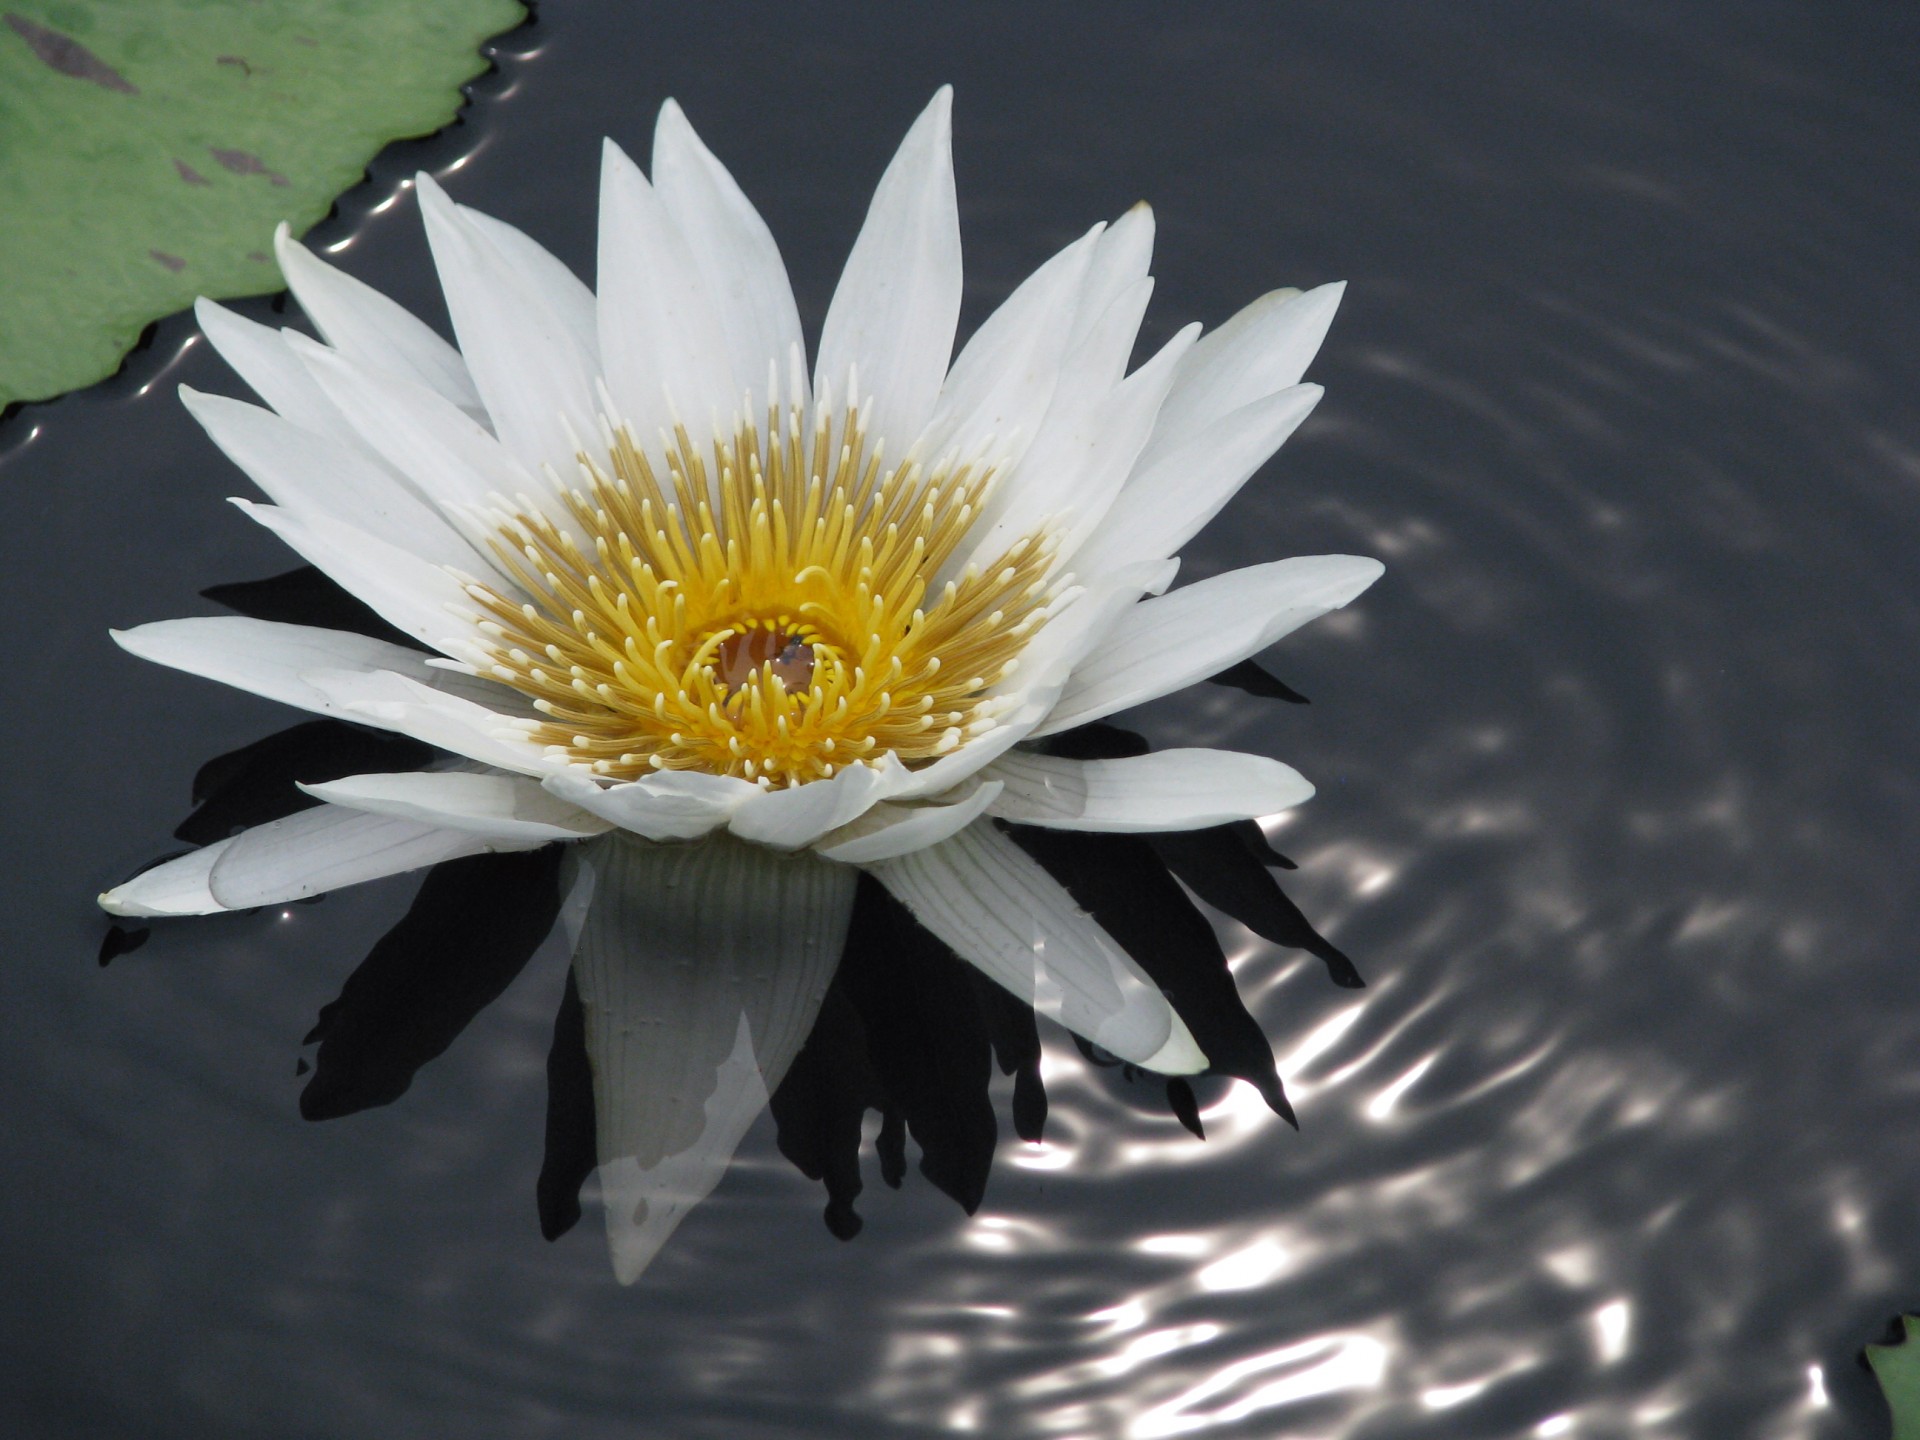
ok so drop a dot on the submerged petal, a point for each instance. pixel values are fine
(889, 830)
(328, 848)
(700, 970)
(173, 887)
(997, 909)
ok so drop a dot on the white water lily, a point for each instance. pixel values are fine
(740, 630)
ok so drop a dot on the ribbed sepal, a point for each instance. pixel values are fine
(701, 968)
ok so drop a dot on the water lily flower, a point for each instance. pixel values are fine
(737, 630)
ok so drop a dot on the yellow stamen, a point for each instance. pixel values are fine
(764, 611)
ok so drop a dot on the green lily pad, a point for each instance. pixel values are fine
(1897, 1368)
(149, 147)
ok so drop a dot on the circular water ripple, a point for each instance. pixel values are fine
(1616, 804)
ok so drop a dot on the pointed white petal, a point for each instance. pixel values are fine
(450, 459)
(701, 969)
(413, 595)
(1050, 478)
(1167, 503)
(328, 848)
(260, 356)
(177, 887)
(1120, 263)
(503, 807)
(996, 908)
(661, 343)
(1168, 642)
(533, 376)
(898, 301)
(1264, 348)
(672, 805)
(410, 594)
(1099, 464)
(309, 475)
(888, 830)
(271, 659)
(800, 814)
(739, 264)
(1166, 790)
(545, 274)
(1002, 382)
(360, 322)
(453, 723)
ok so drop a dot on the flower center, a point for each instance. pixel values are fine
(773, 646)
(775, 609)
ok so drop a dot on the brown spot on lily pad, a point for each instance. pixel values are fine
(259, 257)
(189, 174)
(245, 162)
(172, 262)
(68, 55)
(236, 60)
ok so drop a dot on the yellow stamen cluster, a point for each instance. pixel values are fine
(763, 611)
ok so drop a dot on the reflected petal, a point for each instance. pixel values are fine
(700, 969)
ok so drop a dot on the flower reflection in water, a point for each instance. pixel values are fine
(787, 707)
(900, 1026)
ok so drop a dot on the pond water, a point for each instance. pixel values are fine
(1617, 804)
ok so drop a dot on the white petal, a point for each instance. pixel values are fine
(800, 814)
(888, 830)
(673, 805)
(271, 659)
(177, 887)
(898, 301)
(261, 356)
(701, 969)
(1168, 502)
(328, 848)
(661, 342)
(309, 474)
(1002, 382)
(505, 807)
(360, 322)
(996, 908)
(410, 594)
(450, 459)
(553, 284)
(1168, 642)
(451, 722)
(1166, 790)
(1122, 422)
(1264, 348)
(534, 378)
(1120, 263)
(740, 266)
(1062, 472)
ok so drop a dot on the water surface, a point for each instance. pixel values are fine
(1617, 789)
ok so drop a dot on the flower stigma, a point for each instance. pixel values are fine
(775, 607)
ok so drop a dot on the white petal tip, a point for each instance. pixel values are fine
(1181, 1055)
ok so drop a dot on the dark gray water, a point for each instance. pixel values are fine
(1617, 777)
